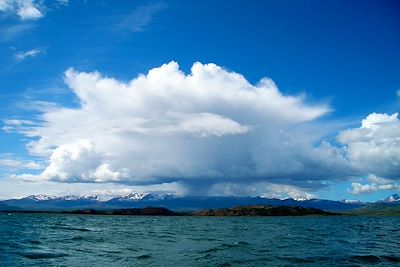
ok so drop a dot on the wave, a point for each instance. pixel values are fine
(71, 228)
(42, 255)
(144, 256)
(374, 258)
(225, 246)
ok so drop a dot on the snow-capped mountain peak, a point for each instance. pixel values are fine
(351, 201)
(152, 196)
(297, 199)
(301, 199)
(40, 197)
(66, 198)
(392, 198)
(144, 197)
(84, 197)
(133, 196)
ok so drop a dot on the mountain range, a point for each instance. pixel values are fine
(181, 203)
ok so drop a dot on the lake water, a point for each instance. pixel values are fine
(80, 240)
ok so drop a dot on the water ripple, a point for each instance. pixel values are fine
(71, 240)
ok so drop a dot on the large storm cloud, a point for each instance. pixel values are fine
(208, 128)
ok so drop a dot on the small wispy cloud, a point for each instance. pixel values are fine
(41, 106)
(14, 31)
(14, 164)
(141, 17)
(5, 5)
(20, 56)
(29, 12)
(63, 2)
(17, 125)
(24, 9)
(376, 184)
(358, 188)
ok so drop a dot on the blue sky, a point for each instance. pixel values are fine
(339, 59)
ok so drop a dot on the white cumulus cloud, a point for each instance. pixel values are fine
(79, 162)
(375, 147)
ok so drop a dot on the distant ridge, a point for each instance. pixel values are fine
(263, 210)
(388, 206)
(172, 202)
(41, 202)
(199, 202)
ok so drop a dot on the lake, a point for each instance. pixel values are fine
(85, 240)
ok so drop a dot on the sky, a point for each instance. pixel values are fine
(247, 98)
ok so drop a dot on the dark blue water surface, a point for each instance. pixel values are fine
(83, 240)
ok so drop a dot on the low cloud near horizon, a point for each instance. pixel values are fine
(210, 131)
